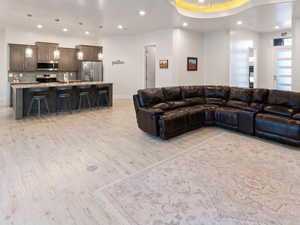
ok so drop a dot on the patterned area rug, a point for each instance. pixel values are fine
(231, 179)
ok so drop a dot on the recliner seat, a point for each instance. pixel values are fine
(168, 112)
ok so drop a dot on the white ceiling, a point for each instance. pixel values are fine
(110, 13)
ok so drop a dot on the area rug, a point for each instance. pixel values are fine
(230, 179)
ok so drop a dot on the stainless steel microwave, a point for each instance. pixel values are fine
(49, 66)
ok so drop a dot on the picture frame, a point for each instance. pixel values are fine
(164, 64)
(192, 64)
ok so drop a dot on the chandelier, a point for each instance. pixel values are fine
(209, 6)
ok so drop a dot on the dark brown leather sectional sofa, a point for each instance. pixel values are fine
(168, 112)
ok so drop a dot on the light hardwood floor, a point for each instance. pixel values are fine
(50, 168)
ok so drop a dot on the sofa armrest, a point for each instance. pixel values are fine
(147, 119)
(296, 116)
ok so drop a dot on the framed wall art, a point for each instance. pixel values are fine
(164, 64)
(192, 64)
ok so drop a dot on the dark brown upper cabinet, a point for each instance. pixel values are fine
(89, 53)
(23, 58)
(68, 59)
(45, 51)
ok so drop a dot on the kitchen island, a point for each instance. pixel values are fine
(21, 94)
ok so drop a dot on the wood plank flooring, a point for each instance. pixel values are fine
(50, 168)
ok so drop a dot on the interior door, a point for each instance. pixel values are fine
(283, 69)
(150, 61)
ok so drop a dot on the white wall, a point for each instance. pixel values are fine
(127, 77)
(265, 78)
(3, 68)
(216, 58)
(296, 55)
(188, 44)
(163, 40)
(130, 76)
(19, 36)
(240, 42)
(174, 45)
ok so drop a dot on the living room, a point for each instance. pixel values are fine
(131, 112)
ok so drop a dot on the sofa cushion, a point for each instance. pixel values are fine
(192, 91)
(260, 95)
(215, 101)
(209, 112)
(177, 104)
(241, 105)
(195, 101)
(216, 95)
(172, 93)
(257, 106)
(296, 116)
(216, 92)
(162, 106)
(278, 125)
(150, 96)
(240, 94)
(279, 110)
(196, 116)
(284, 98)
(228, 116)
(173, 123)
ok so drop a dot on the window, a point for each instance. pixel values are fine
(283, 68)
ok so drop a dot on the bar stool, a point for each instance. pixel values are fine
(63, 99)
(84, 97)
(39, 96)
(101, 97)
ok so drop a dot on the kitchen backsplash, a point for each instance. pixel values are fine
(30, 77)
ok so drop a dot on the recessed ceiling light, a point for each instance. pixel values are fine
(239, 22)
(87, 32)
(201, 1)
(277, 27)
(185, 24)
(142, 13)
(120, 27)
(40, 26)
(65, 30)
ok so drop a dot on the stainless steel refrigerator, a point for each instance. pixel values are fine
(91, 71)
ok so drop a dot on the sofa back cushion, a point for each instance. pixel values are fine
(172, 93)
(150, 96)
(284, 98)
(260, 95)
(216, 95)
(284, 103)
(240, 94)
(192, 91)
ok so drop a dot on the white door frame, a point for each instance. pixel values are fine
(145, 64)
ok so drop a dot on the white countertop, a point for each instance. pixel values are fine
(57, 84)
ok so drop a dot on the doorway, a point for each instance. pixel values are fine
(150, 66)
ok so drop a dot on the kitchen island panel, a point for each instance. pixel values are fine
(22, 95)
